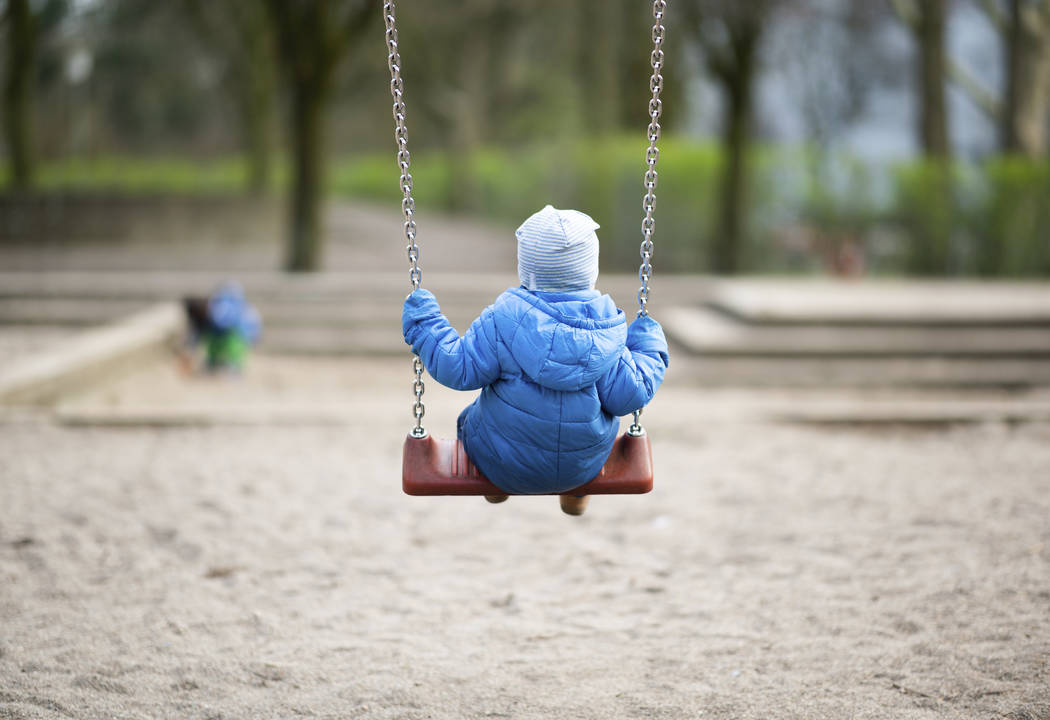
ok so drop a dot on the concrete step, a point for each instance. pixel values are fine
(708, 332)
(154, 285)
(291, 340)
(308, 313)
(83, 358)
(310, 328)
(25, 340)
(878, 337)
(479, 288)
(883, 302)
(824, 372)
(65, 312)
(325, 391)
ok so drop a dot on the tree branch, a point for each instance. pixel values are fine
(352, 27)
(978, 93)
(281, 20)
(995, 15)
(693, 17)
(1034, 19)
(715, 57)
(357, 21)
(719, 58)
(907, 12)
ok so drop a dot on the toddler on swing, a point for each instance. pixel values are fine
(556, 362)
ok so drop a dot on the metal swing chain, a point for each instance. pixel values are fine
(408, 205)
(652, 154)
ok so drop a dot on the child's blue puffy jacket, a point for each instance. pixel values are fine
(557, 370)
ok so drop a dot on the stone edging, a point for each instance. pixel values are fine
(93, 354)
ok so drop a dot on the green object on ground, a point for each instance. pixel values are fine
(226, 350)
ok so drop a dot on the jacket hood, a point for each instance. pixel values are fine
(565, 341)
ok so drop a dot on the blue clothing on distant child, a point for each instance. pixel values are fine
(556, 370)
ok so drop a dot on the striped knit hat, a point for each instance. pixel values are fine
(558, 251)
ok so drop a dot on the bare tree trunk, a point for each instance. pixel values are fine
(255, 106)
(307, 175)
(600, 33)
(931, 240)
(1013, 44)
(312, 37)
(471, 119)
(256, 80)
(933, 114)
(18, 92)
(239, 32)
(1023, 123)
(737, 74)
(257, 152)
(735, 143)
(730, 35)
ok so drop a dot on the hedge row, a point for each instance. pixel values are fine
(805, 209)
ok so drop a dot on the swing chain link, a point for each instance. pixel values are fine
(408, 204)
(417, 407)
(652, 154)
(397, 92)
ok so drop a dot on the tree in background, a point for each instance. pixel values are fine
(1013, 237)
(469, 94)
(28, 25)
(457, 57)
(240, 33)
(18, 93)
(611, 65)
(927, 20)
(729, 36)
(1021, 113)
(313, 36)
(827, 54)
(935, 213)
(154, 85)
(1023, 122)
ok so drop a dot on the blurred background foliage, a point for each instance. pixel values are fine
(805, 136)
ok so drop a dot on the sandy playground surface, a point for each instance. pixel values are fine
(274, 570)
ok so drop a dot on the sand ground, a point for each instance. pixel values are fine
(205, 567)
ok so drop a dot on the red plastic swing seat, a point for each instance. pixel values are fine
(440, 466)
